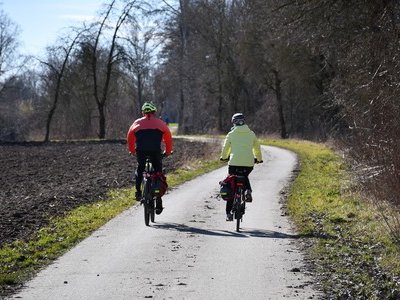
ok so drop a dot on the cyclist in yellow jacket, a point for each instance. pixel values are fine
(242, 149)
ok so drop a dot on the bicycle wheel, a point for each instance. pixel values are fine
(238, 219)
(146, 214)
(237, 213)
(152, 210)
(147, 203)
(243, 204)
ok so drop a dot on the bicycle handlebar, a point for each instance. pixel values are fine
(163, 155)
(255, 160)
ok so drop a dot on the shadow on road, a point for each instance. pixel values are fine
(268, 234)
(244, 233)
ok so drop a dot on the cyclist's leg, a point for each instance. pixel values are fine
(247, 171)
(159, 206)
(232, 170)
(248, 191)
(229, 205)
(141, 160)
(156, 160)
(228, 209)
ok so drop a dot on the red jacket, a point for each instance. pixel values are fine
(147, 133)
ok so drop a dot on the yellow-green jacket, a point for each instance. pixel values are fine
(241, 147)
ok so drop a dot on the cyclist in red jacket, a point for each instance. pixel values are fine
(144, 139)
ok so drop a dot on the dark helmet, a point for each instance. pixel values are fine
(149, 107)
(238, 119)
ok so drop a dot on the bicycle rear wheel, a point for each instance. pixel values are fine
(237, 213)
(146, 214)
(147, 204)
(238, 220)
(152, 210)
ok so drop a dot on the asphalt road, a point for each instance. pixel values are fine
(191, 252)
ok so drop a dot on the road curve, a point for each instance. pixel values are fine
(191, 252)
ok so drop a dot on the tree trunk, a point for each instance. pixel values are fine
(183, 39)
(220, 97)
(100, 105)
(60, 76)
(101, 102)
(50, 116)
(279, 100)
(140, 89)
(219, 54)
(181, 123)
(102, 122)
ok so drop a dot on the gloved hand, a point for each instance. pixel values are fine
(223, 159)
(164, 154)
(257, 161)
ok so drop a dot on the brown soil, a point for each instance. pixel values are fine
(40, 181)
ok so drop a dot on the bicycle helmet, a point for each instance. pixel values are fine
(149, 107)
(238, 119)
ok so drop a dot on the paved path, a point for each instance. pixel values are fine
(191, 252)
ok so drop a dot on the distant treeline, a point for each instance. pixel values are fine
(314, 69)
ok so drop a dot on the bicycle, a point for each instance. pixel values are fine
(239, 200)
(239, 194)
(148, 199)
(151, 192)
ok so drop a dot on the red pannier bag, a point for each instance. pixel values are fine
(159, 184)
(227, 188)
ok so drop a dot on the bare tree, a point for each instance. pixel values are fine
(11, 65)
(137, 52)
(101, 97)
(181, 16)
(64, 51)
(8, 43)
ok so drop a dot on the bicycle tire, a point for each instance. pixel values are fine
(237, 213)
(146, 214)
(147, 208)
(152, 211)
(242, 203)
(238, 224)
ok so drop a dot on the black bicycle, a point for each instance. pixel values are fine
(239, 200)
(148, 199)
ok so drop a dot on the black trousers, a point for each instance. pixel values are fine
(237, 170)
(156, 161)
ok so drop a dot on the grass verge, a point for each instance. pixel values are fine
(20, 259)
(348, 243)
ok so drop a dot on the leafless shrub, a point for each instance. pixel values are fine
(360, 42)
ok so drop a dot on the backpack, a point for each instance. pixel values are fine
(159, 184)
(227, 187)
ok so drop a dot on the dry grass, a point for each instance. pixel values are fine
(352, 251)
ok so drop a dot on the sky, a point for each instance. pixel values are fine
(41, 21)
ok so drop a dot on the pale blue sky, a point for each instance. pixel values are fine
(41, 21)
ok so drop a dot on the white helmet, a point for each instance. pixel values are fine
(238, 119)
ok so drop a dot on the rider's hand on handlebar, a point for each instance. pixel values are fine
(257, 161)
(164, 154)
(223, 159)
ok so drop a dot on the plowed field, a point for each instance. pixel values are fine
(39, 181)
